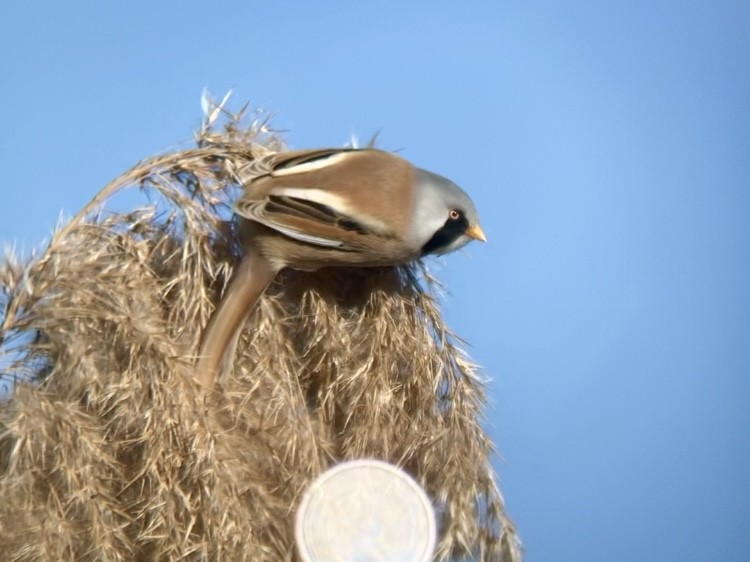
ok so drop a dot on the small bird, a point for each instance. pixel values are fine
(309, 209)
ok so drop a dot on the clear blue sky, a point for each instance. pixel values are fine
(607, 145)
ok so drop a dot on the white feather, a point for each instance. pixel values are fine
(309, 238)
(317, 164)
(335, 202)
(338, 204)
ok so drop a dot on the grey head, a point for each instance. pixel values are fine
(445, 218)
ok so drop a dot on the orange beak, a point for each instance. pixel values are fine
(476, 233)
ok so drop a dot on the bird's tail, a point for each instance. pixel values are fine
(220, 338)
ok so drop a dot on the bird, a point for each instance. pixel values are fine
(330, 207)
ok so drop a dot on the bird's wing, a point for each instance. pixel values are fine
(296, 194)
(307, 215)
(293, 162)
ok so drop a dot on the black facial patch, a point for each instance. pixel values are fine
(446, 235)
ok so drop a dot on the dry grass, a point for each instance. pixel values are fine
(111, 455)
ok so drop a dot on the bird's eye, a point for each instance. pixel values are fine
(454, 215)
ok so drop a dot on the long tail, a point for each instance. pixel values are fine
(219, 339)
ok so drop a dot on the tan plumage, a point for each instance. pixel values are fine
(331, 207)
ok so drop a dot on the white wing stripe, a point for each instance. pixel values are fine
(309, 238)
(316, 164)
(336, 203)
(315, 195)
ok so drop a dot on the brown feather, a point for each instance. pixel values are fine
(377, 177)
(219, 339)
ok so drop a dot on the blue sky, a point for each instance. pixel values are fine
(607, 145)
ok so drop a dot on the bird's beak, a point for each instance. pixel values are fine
(476, 233)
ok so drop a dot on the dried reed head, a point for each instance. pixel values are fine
(106, 450)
